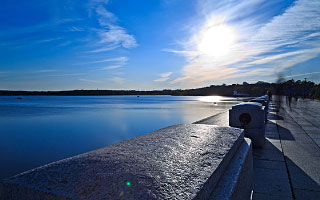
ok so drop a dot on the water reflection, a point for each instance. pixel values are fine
(38, 130)
(212, 99)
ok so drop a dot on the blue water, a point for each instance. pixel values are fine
(37, 130)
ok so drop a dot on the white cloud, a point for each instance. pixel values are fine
(164, 77)
(111, 67)
(76, 29)
(111, 34)
(50, 40)
(116, 35)
(121, 60)
(118, 80)
(105, 16)
(67, 74)
(90, 81)
(103, 49)
(261, 47)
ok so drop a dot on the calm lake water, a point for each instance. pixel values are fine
(37, 130)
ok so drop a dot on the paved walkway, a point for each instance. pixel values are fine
(299, 130)
(288, 167)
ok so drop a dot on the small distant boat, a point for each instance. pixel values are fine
(138, 96)
(19, 98)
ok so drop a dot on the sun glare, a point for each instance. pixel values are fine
(211, 99)
(215, 39)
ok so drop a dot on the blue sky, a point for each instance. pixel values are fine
(155, 44)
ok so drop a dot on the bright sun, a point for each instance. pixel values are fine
(215, 39)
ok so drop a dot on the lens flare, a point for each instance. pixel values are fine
(128, 183)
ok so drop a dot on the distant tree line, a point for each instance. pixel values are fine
(306, 89)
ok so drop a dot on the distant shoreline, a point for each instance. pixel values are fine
(220, 90)
(298, 89)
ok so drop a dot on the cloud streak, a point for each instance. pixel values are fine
(118, 80)
(90, 81)
(164, 77)
(111, 67)
(111, 34)
(121, 60)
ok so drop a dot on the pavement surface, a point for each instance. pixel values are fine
(288, 166)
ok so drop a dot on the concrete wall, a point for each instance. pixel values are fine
(190, 161)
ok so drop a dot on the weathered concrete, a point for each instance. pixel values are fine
(261, 100)
(299, 130)
(270, 179)
(251, 117)
(236, 183)
(178, 162)
(221, 119)
(264, 102)
(255, 111)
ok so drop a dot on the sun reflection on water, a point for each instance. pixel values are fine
(211, 99)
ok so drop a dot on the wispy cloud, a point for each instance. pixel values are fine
(76, 29)
(116, 35)
(90, 81)
(50, 40)
(111, 34)
(164, 77)
(45, 71)
(267, 46)
(103, 49)
(118, 80)
(67, 74)
(110, 67)
(121, 60)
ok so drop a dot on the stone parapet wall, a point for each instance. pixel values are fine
(190, 161)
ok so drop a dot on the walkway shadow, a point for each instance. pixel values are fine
(275, 117)
(271, 179)
(285, 133)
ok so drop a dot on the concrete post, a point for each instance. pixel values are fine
(251, 117)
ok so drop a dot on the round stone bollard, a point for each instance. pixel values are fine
(263, 102)
(250, 117)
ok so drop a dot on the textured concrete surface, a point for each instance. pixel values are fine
(236, 182)
(255, 110)
(291, 159)
(288, 166)
(255, 129)
(270, 179)
(178, 162)
(299, 131)
(221, 119)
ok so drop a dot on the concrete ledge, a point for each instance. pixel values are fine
(257, 135)
(237, 181)
(178, 162)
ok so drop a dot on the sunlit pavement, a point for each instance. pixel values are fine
(288, 167)
(299, 130)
